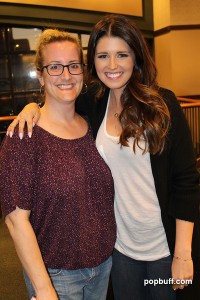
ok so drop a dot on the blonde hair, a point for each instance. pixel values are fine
(49, 36)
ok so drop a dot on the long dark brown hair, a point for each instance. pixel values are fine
(145, 114)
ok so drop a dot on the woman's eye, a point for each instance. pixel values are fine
(102, 56)
(54, 67)
(122, 55)
(75, 66)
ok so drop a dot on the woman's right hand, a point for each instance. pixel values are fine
(30, 114)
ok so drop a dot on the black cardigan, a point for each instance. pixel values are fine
(175, 175)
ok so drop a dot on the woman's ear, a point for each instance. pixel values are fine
(40, 77)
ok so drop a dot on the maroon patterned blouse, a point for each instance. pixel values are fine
(69, 190)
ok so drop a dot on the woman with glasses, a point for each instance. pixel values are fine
(57, 191)
(142, 134)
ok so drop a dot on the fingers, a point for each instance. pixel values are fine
(31, 114)
(182, 273)
(21, 128)
(30, 125)
(11, 128)
(177, 286)
(36, 118)
(22, 121)
(180, 284)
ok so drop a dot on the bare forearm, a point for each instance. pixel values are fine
(30, 256)
(182, 265)
(184, 232)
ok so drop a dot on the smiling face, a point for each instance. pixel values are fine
(114, 62)
(65, 87)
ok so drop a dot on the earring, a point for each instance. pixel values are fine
(42, 93)
(84, 89)
(42, 90)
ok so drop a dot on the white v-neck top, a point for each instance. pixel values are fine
(140, 232)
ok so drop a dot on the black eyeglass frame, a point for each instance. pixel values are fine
(63, 67)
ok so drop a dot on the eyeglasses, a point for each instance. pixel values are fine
(58, 69)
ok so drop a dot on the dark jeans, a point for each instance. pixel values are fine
(141, 280)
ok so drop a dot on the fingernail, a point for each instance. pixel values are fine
(7, 133)
(11, 134)
(20, 136)
(30, 134)
(33, 124)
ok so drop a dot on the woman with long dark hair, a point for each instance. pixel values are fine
(142, 134)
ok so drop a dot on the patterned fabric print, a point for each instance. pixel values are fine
(69, 190)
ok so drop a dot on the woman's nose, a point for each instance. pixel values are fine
(66, 73)
(112, 63)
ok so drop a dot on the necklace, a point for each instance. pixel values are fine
(116, 115)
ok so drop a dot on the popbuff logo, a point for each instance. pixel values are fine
(166, 281)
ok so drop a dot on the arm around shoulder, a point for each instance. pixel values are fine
(30, 114)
